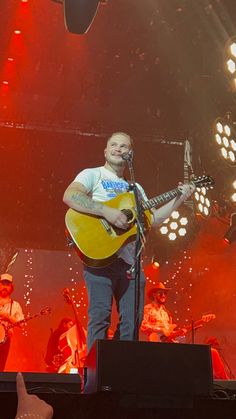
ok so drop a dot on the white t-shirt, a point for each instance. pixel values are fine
(103, 185)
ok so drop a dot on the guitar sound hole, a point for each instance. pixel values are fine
(129, 214)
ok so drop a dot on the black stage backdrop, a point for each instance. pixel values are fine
(37, 166)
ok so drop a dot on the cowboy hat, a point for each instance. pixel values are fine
(159, 286)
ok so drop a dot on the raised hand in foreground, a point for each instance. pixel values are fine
(29, 405)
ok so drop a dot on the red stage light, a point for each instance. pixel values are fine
(156, 265)
(10, 59)
(17, 32)
(5, 82)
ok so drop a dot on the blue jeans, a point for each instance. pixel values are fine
(102, 285)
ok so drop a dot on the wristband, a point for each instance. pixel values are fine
(30, 415)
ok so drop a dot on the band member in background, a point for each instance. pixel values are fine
(54, 357)
(157, 320)
(219, 371)
(86, 194)
(10, 313)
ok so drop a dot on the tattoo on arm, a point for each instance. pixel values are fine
(85, 201)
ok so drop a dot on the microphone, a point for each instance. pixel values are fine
(127, 155)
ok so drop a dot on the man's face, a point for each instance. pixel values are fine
(160, 296)
(5, 289)
(116, 146)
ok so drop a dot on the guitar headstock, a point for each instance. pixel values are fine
(67, 296)
(46, 311)
(208, 317)
(203, 181)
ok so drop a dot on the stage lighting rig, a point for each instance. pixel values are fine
(230, 235)
(230, 61)
(175, 226)
(203, 202)
(225, 138)
(233, 197)
(79, 14)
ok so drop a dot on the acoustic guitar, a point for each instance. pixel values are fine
(97, 241)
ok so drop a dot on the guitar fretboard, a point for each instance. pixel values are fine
(160, 199)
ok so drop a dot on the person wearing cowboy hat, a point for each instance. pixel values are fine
(10, 313)
(157, 321)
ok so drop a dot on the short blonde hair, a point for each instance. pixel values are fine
(121, 133)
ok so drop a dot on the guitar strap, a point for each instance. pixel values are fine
(11, 307)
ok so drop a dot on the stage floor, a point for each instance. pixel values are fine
(72, 405)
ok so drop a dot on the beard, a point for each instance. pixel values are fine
(4, 293)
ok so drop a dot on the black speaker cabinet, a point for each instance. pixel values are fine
(165, 369)
(42, 382)
(79, 14)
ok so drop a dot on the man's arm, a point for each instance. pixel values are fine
(161, 214)
(16, 316)
(12, 319)
(148, 327)
(7, 318)
(76, 197)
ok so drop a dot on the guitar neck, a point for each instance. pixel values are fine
(80, 330)
(189, 327)
(195, 325)
(29, 317)
(19, 322)
(161, 199)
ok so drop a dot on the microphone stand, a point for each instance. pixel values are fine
(135, 271)
(231, 375)
(192, 331)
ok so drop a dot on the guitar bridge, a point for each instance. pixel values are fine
(107, 226)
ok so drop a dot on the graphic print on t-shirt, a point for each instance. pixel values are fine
(114, 187)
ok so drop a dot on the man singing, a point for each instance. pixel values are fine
(87, 194)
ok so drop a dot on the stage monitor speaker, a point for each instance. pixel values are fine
(42, 382)
(79, 14)
(165, 369)
(225, 386)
